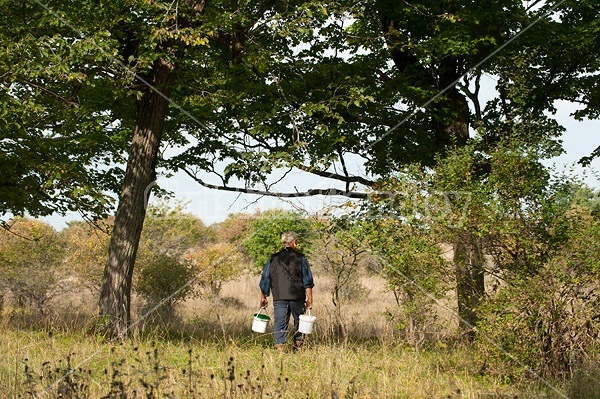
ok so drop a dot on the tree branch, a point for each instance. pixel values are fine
(330, 175)
(298, 194)
(343, 162)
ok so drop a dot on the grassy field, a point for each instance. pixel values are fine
(211, 352)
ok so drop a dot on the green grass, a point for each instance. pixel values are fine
(208, 351)
(76, 365)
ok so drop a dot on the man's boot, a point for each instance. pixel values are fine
(280, 347)
(298, 344)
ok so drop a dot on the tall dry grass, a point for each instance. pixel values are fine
(209, 351)
(365, 317)
(68, 366)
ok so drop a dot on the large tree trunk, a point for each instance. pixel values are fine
(470, 284)
(115, 295)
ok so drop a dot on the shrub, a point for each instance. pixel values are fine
(216, 264)
(546, 323)
(266, 230)
(165, 281)
(30, 263)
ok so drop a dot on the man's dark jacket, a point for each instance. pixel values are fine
(286, 275)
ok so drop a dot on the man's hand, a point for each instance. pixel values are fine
(309, 299)
(263, 301)
(308, 304)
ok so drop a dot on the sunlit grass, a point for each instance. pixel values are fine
(209, 351)
(44, 366)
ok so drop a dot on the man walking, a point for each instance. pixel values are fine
(288, 276)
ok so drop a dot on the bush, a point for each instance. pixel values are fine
(266, 230)
(30, 264)
(216, 264)
(546, 315)
(164, 282)
(544, 324)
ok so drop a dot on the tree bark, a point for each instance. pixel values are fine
(470, 283)
(115, 295)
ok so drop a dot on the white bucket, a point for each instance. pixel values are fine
(306, 323)
(260, 322)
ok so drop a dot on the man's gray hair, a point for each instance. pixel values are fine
(289, 237)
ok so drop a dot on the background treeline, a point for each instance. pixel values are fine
(533, 238)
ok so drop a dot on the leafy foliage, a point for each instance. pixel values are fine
(171, 231)
(60, 151)
(86, 252)
(216, 264)
(397, 227)
(168, 230)
(31, 254)
(234, 229)
(545, 314)
(265, 234)
(166, 281)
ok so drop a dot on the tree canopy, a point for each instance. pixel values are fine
(268, 85)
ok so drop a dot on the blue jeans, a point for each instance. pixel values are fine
(282, 310)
